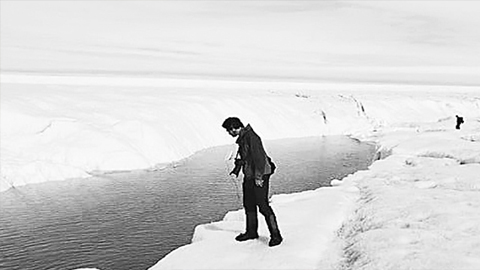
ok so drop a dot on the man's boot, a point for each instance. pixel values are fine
(275, 237)
(252, 227)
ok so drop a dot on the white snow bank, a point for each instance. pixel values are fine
(53, 128)
(300, 216)
(417, 208)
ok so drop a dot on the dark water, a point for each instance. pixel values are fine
(130, 220)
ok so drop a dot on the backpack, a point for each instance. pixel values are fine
(272, 165)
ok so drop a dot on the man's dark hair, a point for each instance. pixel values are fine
(232, 122)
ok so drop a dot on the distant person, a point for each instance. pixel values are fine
(257, 168)
(459, 121)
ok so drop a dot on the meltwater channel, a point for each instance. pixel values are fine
(130, 220)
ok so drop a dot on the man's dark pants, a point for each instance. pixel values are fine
(254, 196)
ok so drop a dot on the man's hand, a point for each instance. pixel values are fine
(234, 173)
(259, 182)
(238, 167)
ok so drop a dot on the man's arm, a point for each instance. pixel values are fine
(258, 158)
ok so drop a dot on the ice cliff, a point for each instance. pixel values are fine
(54, 128)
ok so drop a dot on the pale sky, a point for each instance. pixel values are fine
(299, 39)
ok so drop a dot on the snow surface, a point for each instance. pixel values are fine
(89, 87)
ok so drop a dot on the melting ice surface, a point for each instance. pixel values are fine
(78, 97)
(53, 128)
(130, 220)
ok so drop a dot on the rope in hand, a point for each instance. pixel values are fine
(228, 158)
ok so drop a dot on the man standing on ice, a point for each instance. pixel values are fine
(257, 168)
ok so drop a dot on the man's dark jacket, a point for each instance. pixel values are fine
(256, 161)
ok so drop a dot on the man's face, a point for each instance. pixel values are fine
(234, 132)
